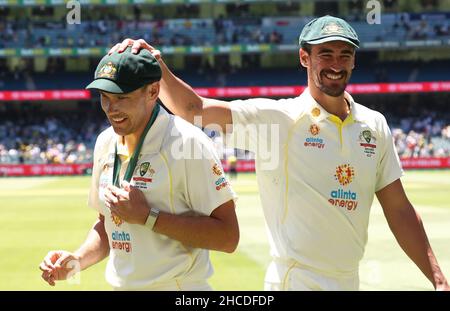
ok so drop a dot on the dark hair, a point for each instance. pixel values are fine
(307, 47)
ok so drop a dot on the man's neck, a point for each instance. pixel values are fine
(337, 106)
(129, 142)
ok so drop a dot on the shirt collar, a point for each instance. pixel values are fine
(355, 109)
(156, 134)
(318, 113)
(313, 108)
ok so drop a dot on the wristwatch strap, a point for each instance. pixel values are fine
(152, 217)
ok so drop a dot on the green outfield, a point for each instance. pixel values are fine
(39, 214)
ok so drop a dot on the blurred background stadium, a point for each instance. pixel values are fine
(225, 49)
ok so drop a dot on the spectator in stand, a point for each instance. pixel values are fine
(446, 132)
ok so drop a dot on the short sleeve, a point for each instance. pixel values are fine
(93, 199)
(101, 146)
(389, 167)
(252, 121)
(207, 185)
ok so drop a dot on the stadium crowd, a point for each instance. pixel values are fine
(30, 136)
(69, 137)
(43, 138)
(104, 28)
(422, 139)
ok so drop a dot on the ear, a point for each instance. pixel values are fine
(354, 58)
(304, 58)
(153, 90)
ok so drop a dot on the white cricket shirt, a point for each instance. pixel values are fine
(179, 172)
(317, 176)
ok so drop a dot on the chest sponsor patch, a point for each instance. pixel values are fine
(368, 142)
(145, 177)
(345, 198)
(314, 142)
(121, 241)
(141, 182)
(221, 183)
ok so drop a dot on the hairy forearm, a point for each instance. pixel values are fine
(178, 96)
(182, 100)
(95, 248)
(198, 231)
(409, 231)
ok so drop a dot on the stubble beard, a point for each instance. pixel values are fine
(332, 91)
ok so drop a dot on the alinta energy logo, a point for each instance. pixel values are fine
(341, 197)
(344, 174)
(221, 183)
(315, 142)
(121, 241)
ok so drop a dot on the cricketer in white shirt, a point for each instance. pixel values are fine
(179, 172)
(317, 185)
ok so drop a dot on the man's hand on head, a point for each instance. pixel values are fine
(136, 46)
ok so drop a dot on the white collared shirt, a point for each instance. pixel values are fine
(179, 172)
(318, 180)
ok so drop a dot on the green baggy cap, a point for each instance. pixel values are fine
(125, 72)
(328, 28)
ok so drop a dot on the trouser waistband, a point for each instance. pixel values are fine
(173, 285)
(292, 263)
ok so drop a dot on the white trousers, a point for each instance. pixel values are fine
(294, 277)
(175, 285)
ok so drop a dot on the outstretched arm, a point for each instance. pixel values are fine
(179, 97)
(407, 227)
